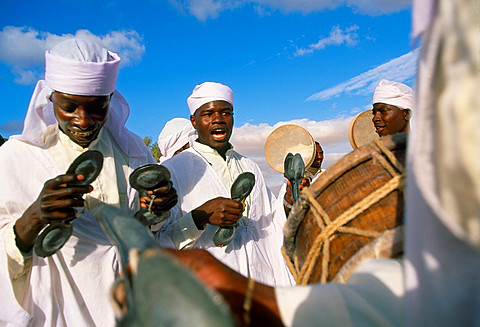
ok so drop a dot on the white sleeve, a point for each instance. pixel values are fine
(372, 297)
(179, 230)
(18, 263)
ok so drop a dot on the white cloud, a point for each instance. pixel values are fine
(205, 9)
(401, 69)
(23, 48)
(378, 7)
(337, 36)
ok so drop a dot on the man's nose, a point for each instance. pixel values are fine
(218, 117)
(84, 119)
(376, 117)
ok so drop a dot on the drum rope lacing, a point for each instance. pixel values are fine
(321, 245)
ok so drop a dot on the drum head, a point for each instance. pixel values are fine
(149, 177)
(361, 130)
(89, 164)
(286, 139)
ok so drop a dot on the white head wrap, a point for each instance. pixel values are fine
(176, 133)
(394, 93)
(208, 92)
(79, 67)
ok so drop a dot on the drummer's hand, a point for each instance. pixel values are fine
(305, 183)
(288, 198)
(56, 201)
(165, 199)
(233, 287)
(288, 194)
(219, 212)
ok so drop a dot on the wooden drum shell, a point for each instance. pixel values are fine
(364, 189)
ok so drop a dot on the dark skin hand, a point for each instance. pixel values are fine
(288, 194)
(165, 198)
(56, 201)
(219, 212)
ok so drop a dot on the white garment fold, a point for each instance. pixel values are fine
(200, 174)
(70, 288)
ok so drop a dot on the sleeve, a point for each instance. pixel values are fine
(179, 230)
(19, 263)
(372, 297)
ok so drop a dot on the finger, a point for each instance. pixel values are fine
(164, 189)
(75, 192)
(56, 182)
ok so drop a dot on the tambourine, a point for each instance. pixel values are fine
(56, 234)
(287, 139)
(361, 130)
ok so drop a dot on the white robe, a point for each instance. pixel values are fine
(256, 250)
(70, 288)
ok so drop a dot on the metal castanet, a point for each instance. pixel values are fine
(352, 212)
(54, 236)
(148, 178)
(239, 191)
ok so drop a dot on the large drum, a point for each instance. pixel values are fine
(352, 212)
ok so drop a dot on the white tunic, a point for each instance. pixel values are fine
(200, 174)
(70, 288)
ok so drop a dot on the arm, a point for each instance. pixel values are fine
(184, 230)
(233, 287)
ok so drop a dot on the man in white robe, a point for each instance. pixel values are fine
(203, 176)
(75, 109)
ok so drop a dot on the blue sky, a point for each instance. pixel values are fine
(311, 62)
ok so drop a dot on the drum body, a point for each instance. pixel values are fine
(352, 212)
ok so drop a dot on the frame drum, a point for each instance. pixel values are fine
(361, 130)
(286, 139)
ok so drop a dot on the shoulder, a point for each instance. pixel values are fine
(186, 162)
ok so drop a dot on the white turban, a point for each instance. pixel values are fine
(176, 133)
(394, 93)
(208, 92)
(79, 67)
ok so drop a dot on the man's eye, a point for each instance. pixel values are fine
(68, 109)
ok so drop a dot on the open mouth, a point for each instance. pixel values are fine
(379, 129)
(219, 134)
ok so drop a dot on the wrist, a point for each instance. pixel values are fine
(199, 219)
(286, 204)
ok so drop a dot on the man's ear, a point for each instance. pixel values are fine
(192, 120)
(407, 114)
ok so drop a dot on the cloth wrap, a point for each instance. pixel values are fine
(395, 94)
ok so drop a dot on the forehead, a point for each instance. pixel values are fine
(384, 106)
(80, 99)
(215, 105)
